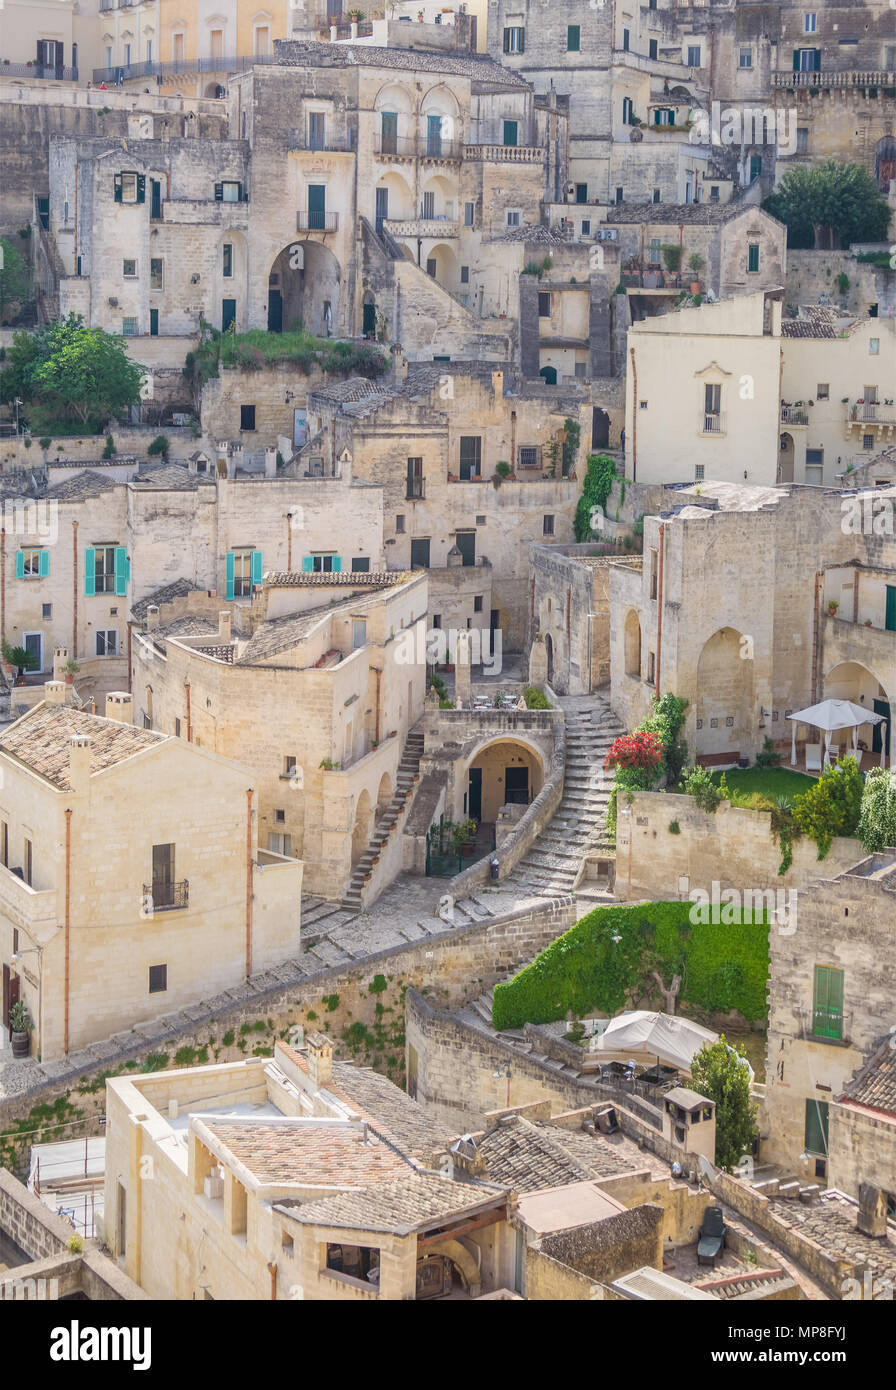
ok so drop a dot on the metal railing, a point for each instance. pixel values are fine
(416, 147)
(167, 897)
(794, 415)
(39, 72)
(827, 1023)
(330, 144)
(180, 67)
(312, 221)
(712, 424)
(872, 414)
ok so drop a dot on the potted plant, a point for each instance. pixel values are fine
(672, 259)
(465, 838)
(695, 263)
(70, 670)
(22, 661)
(833, 605)
(20, 1029)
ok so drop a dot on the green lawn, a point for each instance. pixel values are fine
(757, 788)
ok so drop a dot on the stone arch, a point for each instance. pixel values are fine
(399, 198)
(384, 795)
(885, 162)
(463, 1261)
(214, 89)
(440, 101)
(445, 264)
(491, 761)
(444, 196)
(726, 714)
(853, 680)
(304, 289)
(362, 826)
(633, 644)
(549, 374)
(786, 457)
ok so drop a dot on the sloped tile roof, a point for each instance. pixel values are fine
(874, 1084)
(311, 1155)
(178, 588)
(172, 477)
(40, 740)
(517, 1153)
(679, 214)
(806, 328)
(299, 54)
(82, 485)
(425, 1199)
(392, 1109)
(295, 579)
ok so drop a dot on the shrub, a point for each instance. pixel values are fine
(535, 699)
(699, 784)
(667, 721)
(600, 474)
(832, 806)
(159, 446)
(877, 816)
(109, 451)
(768, 757)
(640, 755)
(674, 827)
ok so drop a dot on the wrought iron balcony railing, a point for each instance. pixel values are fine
(167, 897)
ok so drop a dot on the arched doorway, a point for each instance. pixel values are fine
(549, 374)
(725, 704)
(600, 429)
(633, 645)
(549, 650)
(362, 826)
(885, 163)
(850, 680)
(504, 772)
(303, 290)
(441, 264)
(368, 316)
(214, 89)
(383, 796)
(786, 456)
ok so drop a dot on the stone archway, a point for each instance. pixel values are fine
(633, 645)
(725, 698)
(885, 163)
(786, 458)
(500, 772)
(362, 827)
(304, 290)
(464, 1264)
(851, 680)
(383, 796)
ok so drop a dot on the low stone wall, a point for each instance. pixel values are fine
(732, 847)
(129, 439)
(605, 1250)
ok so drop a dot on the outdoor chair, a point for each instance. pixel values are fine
(711, 1239)
(813, 757)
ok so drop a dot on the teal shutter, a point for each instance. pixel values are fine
(90, 571)
(890, 615)
(307, 564)
(44, 564)
(337, 564)
(121, 571)
(230, 574)
(117, 188)
(256, 567)
(20, 564)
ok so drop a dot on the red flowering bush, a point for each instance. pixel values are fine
(638, 752)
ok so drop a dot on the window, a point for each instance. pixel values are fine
(229, 191)
(867, 441)
(361, 564)
(712, 404)
(753, 257)
(511, 133)
(466, 544)
(359, 633)
(280, 817)
(28, 865)
(129, 269)
(278, 843)
(477, 603)
(581, 192)
(106, 642)
(802, 139)
(431, 267)
(755, 166)
(243, 572)
(106, 570)
(642, 405)
(663, 115)
(513, 217)
(437, 621)
(129, 328)
(158, 979)
(654, 562)
(156, 274)
(32, 564)
(130, 187)
(651, 667)
(823, 391)
(46, 611)
(874, 346)
(399, 524)
(870, 395)
(262, 41)
(177, 48)
(324, 563)
(694, 56)
(544, 304)
(890, 57)
(177, 728)
(419, 554)
(816, 1132)
(745, 58)
(586, 227)
(429, 207)
(628, 111)
(652, 49)
(227, 266)
(626, 40)
(289, 765)
(655, 251)
(515, 39)
(714, 193)
(415, 482)
(807, 60)
(573, 38)
(470, 457)
(698, 472)
(465, 275)
(247, 417)
(619, 195)
(469, 211)
(827, 1002)
(547, 525)
(656, 195)
(810, 23)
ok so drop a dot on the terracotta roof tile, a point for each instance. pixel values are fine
(40, 740)
(874, 1084)
(309, 1154)
(400, 1208)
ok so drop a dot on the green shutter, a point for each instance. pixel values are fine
(230, 574)
(256, 567)
(890, 617)
(816, 1132)
(121, 571)
(44, 564)
(20, 564)
(827, 1002)
(219, 192)
(307, 564)
(90, 571)
(118, 188)
(337, 564)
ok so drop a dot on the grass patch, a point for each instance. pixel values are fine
(758, 788)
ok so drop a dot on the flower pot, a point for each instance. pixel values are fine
(695, 287)
(21, 1044)
(69, 678)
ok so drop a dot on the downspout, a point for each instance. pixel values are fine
(631, 353)
(189, 718)
(819, 580)
(513, 440)
(249, 795)
(289, 544)
(379, 676)
(272, 1271)
(659, 607)
(130, 658)
(74, 590)
(68, 900)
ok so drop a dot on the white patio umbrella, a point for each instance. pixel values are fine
(831, 715)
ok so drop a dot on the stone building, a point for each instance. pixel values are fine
(812, 616)
(132, 881)
(830, 1009)
(570, 610)
(313, 686)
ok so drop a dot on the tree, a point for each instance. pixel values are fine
(720, 1073)
(84, 371)
(15, 280)
(877, 820)
(829, 205)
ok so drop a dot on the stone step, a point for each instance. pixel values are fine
(329, 954)
(411, 931)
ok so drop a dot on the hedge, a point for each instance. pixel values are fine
(586, 971)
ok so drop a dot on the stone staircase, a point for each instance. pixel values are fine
(577, 828)
(408, 769)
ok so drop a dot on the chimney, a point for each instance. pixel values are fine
(270, 463)
(152, 617)
(60, 657)
(54, 692)
(498, 385)
(320, 1060)
(79, 763)
(872, 1217)
(120, 707)
(225, 628)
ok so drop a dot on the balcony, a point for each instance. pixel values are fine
(313, 221)
(433, 227)
(881, 417)
(184, 68)
(35, 72)
(167, 897)
(504, 154)
(828, 1023)
(794, 415)
(388, 146)
(330, 144)
(415, 490)
(851, 77)
(23, 905)
(712, 424)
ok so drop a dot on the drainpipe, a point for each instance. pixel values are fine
(272, 1271)
(819, 580)
(513, 440)
(3, 584)
(659, 606)
(130, 654)
(74, 590)
(289, 543)
(631, 353)
(249, 795)
(68, 900)
(189, 719)
(379, 676)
